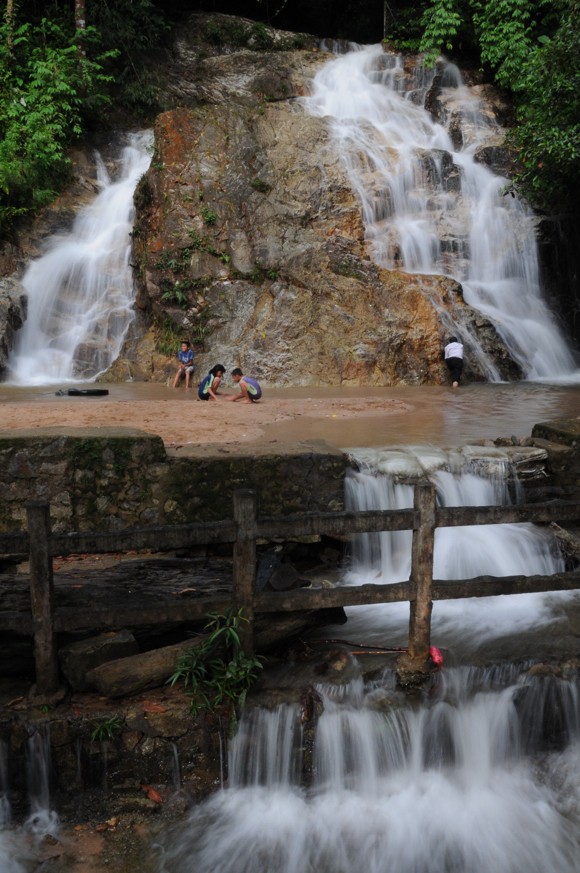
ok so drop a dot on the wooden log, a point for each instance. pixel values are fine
(422, 574)
(322, 598)
(455, 516)
(335, 523)
(71, 619)
(138, 672)
(150, 669)
(340, 524)
(492, 586)
(42, 596)
(160, 538)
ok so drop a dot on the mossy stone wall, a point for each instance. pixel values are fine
(114, 478)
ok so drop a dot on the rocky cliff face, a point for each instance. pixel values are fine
(249, 237)
(12, 316)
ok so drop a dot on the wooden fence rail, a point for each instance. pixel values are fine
(243, 532)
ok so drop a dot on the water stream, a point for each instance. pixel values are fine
(429, 206)
(483, 776)
(458, 786)
(80, 292)
(480, 776)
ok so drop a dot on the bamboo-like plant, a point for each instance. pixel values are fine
(217, 671)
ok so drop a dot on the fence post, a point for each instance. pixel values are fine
(244, 571)
(42, 596)
(415, 665)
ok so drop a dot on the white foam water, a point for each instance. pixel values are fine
(455, 787)
(80, 292)
(463, 626)
(480, 776)
(429, 206)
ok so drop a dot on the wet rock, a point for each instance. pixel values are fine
(78, 658)
(13, 307)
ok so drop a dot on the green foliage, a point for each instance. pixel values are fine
(442, 22)
(403, 29)
(532, 48)
(507, 32)
(168, 336)
(208, 215)
(107, 729)
(548, 131)
(134, 29)
(217, 672)
(47, 86)
(176, 295)
(259, 185)
(55, 82)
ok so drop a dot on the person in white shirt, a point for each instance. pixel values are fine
(454, 360)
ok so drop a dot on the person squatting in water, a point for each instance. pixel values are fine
(250, 389)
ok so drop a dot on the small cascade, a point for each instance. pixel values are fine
(455, 786)
(266, 749)
(461, 479)
(42, 819)
(175, 767)
(5, 806)
(429, 206)
(80, 292)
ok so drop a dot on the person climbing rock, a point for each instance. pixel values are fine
(453, 354)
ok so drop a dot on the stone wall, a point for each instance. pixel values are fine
(114, 478)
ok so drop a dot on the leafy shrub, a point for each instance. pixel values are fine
(217, 671)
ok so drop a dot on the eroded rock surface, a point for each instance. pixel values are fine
(250, 238)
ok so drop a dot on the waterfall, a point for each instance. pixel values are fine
(42, 819)
(383, 482)
(428, 206)
(5, 806)
(453, 787)
(80, 292)
(480, 776)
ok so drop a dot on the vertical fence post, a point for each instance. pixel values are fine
(244, 572)
(41, 596)
(421, 605)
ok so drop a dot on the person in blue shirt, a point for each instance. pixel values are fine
(208, 387)
(186, 367)
(250, 390)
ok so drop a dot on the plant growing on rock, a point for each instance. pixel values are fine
(217, 671)
(107, 729)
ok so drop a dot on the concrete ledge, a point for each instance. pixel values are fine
(112, 478)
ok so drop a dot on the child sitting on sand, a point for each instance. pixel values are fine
(249, 388)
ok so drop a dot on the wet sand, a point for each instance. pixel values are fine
(345, 417)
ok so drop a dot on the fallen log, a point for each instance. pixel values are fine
(148, 670)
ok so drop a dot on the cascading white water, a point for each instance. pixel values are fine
(460, 553)
(43, 819)
(480, 778)
(80, 292)
(429, 207)
(445, 788)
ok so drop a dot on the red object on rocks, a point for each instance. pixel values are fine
(436, 656)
